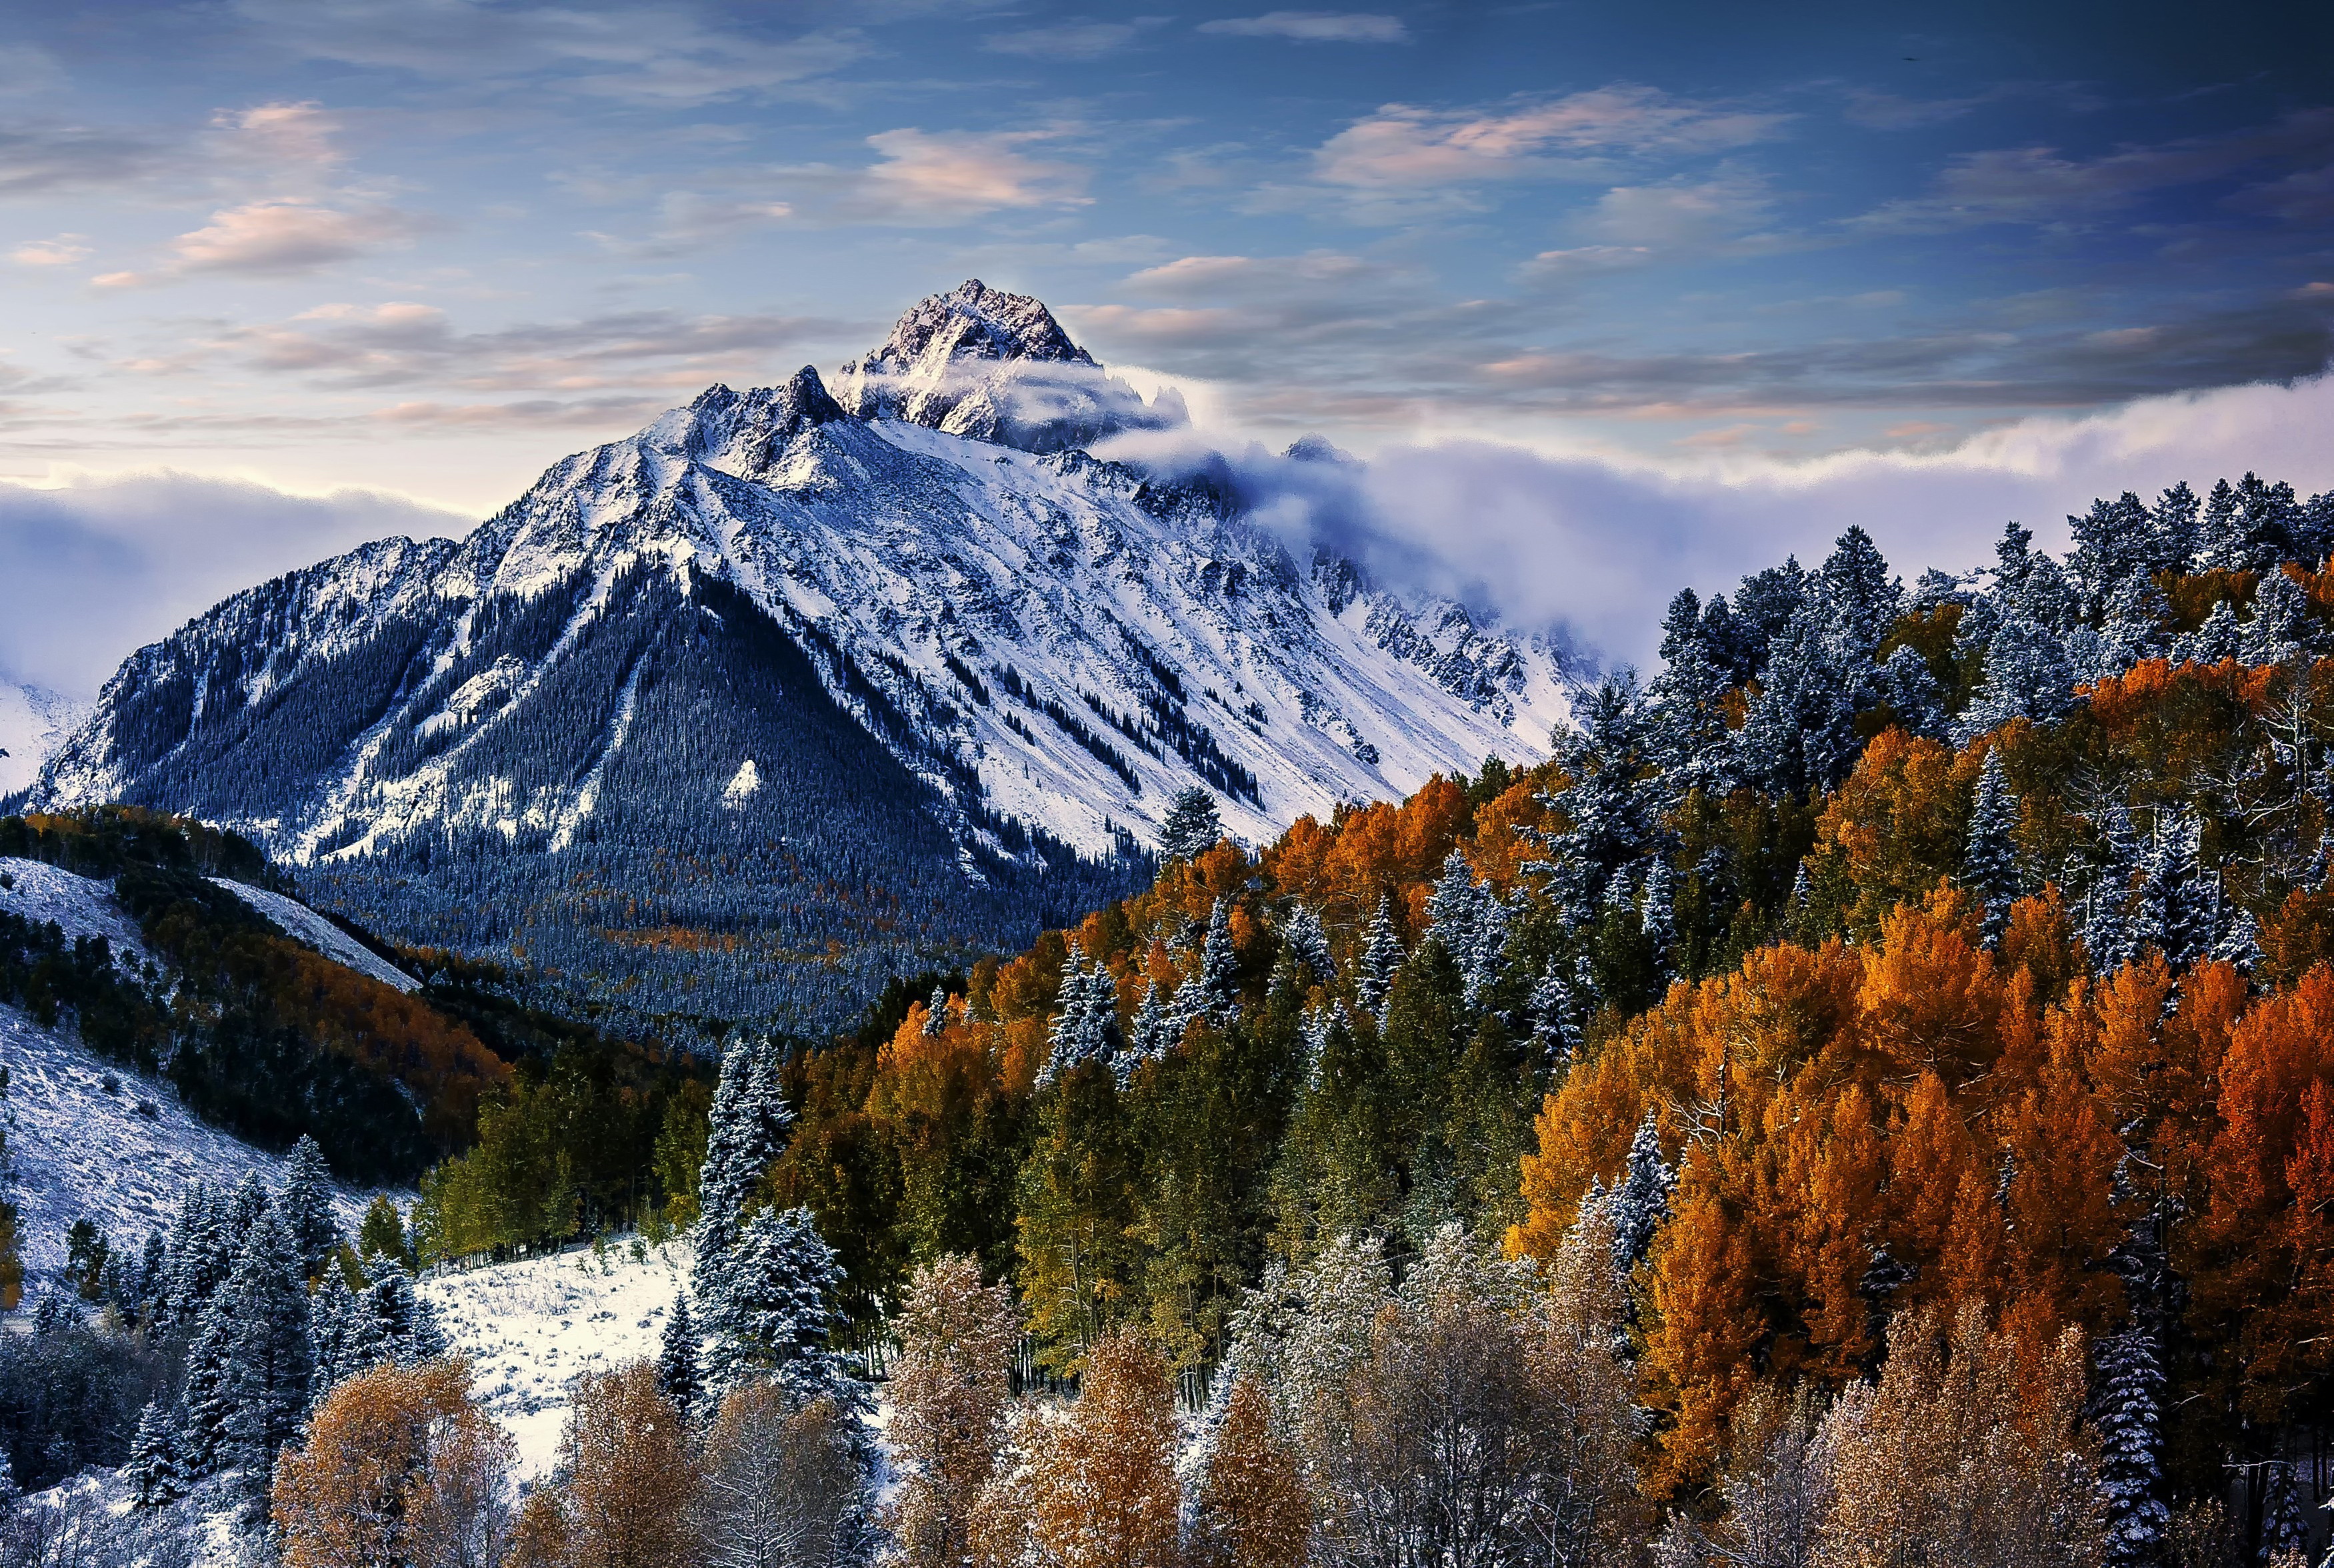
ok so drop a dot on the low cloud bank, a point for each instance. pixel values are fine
(95, 568)
(1597, 547)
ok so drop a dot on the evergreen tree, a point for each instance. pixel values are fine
(1688, 736)
(1799, 734)
(2284, 1523)
(1381, 959)
(205, 1400)
(2133, 625)
(1554, 1016)
(1656, 917)
(1086, 1028)
(152, 1472)
(1451, 906)
(1853, 587)
(153, 1279)
(2110, 932)
(936, 1013)
(1192, 827)
(1310, 943)
(1639, 1204)
(2172, 534)
(2189, 894)
(2027, 676)
(771, 1313)
(676, 1377)
(1910, 690)
(1606, 804)
(2220, 540)
(2218, 638)
(1157, 1030)
(2127, 1416)
(269, 1359)
(745, 1135)
(1219, 973)
(55, 1313)
(2112, 546)
(305, 1207)
(199, 1258)
(2280, 626)
(2238, 945)
(1990, 866)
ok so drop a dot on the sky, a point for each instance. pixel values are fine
(1610, 297)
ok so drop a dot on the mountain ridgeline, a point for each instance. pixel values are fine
(737, 716)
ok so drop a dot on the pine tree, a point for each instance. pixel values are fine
(1607, 805)
(2131, 625)
(2027, 676)
(1853, 587)
(2281, 626)
(1799, 734)
(205, 1398)
(406, 1325)
(56, 1314)
(2127, 1417)
(2218, 638)
(2171, 536)
(1907, 685)
(199, 1259)
(2220, 539)
(936, 1013)
(1554, 1016)
(1451, 906)
(676, 1377)
(1688, 736)
(269, 1359)
(771, 1313)
(305, 1207)
(152, 1472)
(153, 1281)
(2284, 1523)
(745, 1135)
(1310, 943)
(1382, 958)
(2110, 933)
(1218, 968)
(1656, 916)
(1990, 864)
(2190, 893)
(1639, 1204)
(2238, 945)
(1192, 827)
(1157, 1030)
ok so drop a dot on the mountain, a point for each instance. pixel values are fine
(788, 692)
(33, 722)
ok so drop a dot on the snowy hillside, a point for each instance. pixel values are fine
(90, 1140)
(33, 722)
(531, 1327)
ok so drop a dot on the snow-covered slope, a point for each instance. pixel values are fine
(77, 906)
(311, 930)
(531, 1327)
(33, 721)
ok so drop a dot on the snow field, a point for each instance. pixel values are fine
(531, 1327)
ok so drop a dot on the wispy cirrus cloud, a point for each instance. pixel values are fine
(1078, 39)
(2041, 186)
(277, 238)
(1314, 27)
(1578, 135)
(670, 56)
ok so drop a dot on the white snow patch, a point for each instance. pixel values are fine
(742, 785)
(33, 722)
(311, 930)
(531, 1327)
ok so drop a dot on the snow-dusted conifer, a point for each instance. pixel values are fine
(2280, 626)
(408, 1325)
(1554, 1016)
(745, 1135)
(269, 1358)
(1451, 906)
(1157, 1030)
(2027, 676)
(1853, 586)
(153, 1282)
(1990, 864)
(2238, 945)
(1310, 943)
(936, 1013)
(774, 1314)
(1382, 958)
(2110, 932)
(2220, 637)
(2284, 1520)
(2220, 539)
(205, 1398)
(677, 1376)
(2127, 1415)
(1192, 827)
(1906, 683)
(152, 1472)
(1639, 1204)
(1485, 959)
(305, 1207)
(1219, 973)
(1800, 731)
(55, 1313)
(1656, 916)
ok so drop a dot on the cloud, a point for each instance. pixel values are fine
(277, 238)
(1314, 27)
(937, 178)
(2039, 186)
(37, 159)
(1082, 40)
(93, 569)
(285, 134)
(674, 55)
(1678, 212)
(1597, 548)
(407, 343)
(1404, 146)
(62, 251)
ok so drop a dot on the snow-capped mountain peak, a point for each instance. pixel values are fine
(997, 367)
(944, 661)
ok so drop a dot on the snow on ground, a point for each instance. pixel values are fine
(81, 906)
(311, 930)
(80, 1150)
(531, 1327)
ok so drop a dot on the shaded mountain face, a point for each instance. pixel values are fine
(791, 692)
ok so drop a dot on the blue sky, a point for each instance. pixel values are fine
(423, 247)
